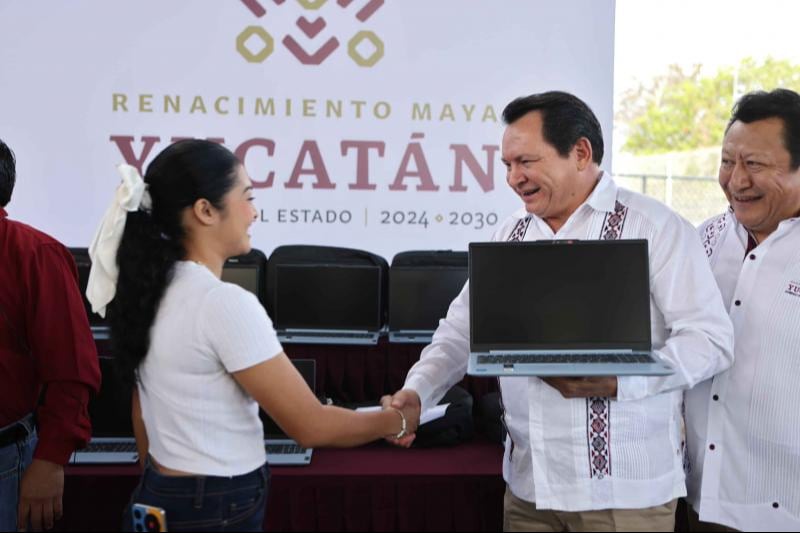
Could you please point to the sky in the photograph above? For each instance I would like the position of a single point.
(652, 34)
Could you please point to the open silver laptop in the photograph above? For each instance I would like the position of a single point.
(280, 448)
(577, 308)
(112, 432)
(328, 304)
(419, 296)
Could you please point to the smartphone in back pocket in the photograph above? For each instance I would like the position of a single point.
(148, 518)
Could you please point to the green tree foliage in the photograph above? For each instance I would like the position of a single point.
(689, 109)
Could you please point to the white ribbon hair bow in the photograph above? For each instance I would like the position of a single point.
(131, 196)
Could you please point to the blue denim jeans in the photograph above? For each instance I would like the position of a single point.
(14, 459)
(206, 503)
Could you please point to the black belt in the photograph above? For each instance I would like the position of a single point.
(16, 431)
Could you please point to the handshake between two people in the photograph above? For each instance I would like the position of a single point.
(408, 403)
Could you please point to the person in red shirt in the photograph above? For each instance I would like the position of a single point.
(48, 367)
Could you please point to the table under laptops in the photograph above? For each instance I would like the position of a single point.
(375, 487)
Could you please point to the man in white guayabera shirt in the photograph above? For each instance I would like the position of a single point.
(590, 453)
(744, 425)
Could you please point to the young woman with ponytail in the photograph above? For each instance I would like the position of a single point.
(202, 354)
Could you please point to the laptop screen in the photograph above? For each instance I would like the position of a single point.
(307, 369)
(420, 296)
(322, 297)
(110, 410)
(550, 295)
(244, 276)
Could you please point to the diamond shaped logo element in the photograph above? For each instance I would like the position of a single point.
(355, 44)
(257, 33)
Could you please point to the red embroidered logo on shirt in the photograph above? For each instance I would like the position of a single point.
(794, 288)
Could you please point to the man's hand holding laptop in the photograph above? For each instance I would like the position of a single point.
(584, 387)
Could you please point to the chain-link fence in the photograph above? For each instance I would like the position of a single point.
(695, 198)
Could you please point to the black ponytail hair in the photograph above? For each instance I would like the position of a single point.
(153, 241)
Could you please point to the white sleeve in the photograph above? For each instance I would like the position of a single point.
(443, 362)
(237, 328)
(700, 341)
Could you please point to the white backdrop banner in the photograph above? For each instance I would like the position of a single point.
(363, 123)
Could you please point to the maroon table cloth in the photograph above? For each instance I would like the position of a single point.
(373, 488)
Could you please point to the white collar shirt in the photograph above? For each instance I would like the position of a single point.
(743, 426)
(590, 454)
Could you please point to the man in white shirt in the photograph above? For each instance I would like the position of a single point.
(590, 453)
(743, 426)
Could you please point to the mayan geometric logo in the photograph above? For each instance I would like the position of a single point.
(255, 44)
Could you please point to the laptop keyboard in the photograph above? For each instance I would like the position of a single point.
(582, 358)
(118, 447)
(284, 449)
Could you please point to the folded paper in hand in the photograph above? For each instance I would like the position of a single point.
(434, 413)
